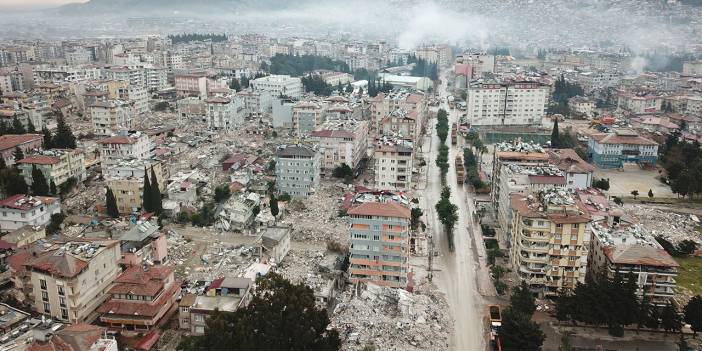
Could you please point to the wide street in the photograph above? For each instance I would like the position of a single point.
(458, 274)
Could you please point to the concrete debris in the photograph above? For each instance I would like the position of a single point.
(674, 227)
(318, 220)
(392, 319)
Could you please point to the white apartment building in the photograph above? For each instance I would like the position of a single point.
(393, 167)
(506, 104)
(138, 96)
(135, 76)
(70, 280)
(341, 142)
(20, 210)
(111, 116)
(78, 57)
(278, 85)
(224, 112)
(5, 83)
(156, 78)
(125, 146)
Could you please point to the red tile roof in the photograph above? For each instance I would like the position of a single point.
(118, 139)
(75, 337)
(11, 141)
(139, 307)
(387, 209)
(24, 203)
(136, 281)
(639, 255)
(64, 265)
(40, 160)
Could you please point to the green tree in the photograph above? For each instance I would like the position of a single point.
(280, 316)
(416, 213)
(64, 138)
(17, 126)
(111, 204)
(447, 213)
(522, 300)
(670, 319)
(634, 193)
(520, 333)
(344, 172)
(12, 182)
(274, 206)
(693, 314)
(52, 188)
(555, 137)
(30, 126)
(18, 154)
(222, 193)
(650, 193)
(3, 165)
(234, 84)
(39, 185)
(55, 223)
(156, 199)
(601, 183)
(147, 204)
(349, 88)
(48, 138)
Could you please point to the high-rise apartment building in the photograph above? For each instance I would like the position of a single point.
(520, 103)
(379, 236)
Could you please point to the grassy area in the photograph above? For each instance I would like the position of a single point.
(690, 274)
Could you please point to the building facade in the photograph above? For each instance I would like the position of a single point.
(393, 167)
(297, 170)
(21, 210)
(507, 104)
(125, 146)
(111, 116)
(344, 142)
(550, 241)
(621, 147)
(57, 165)
(379, 237)
(70, 280)
(278, 85)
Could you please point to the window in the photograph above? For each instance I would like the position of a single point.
(61, 292)
(62, 302)
(44, 296)
(199, 318)
(42, 284)
(47, 307)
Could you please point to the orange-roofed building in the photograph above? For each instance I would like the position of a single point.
(26, 143)
(379, 236)
(140, 298)
(57, 165)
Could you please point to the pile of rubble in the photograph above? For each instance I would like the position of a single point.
(300, 265)
(674, 227)
(316, 219)
(392, 319)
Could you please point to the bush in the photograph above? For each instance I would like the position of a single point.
(284, 198)
(500, 287)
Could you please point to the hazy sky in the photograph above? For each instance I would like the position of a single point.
(35, 3)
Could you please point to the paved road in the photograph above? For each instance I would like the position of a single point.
(457, 272)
